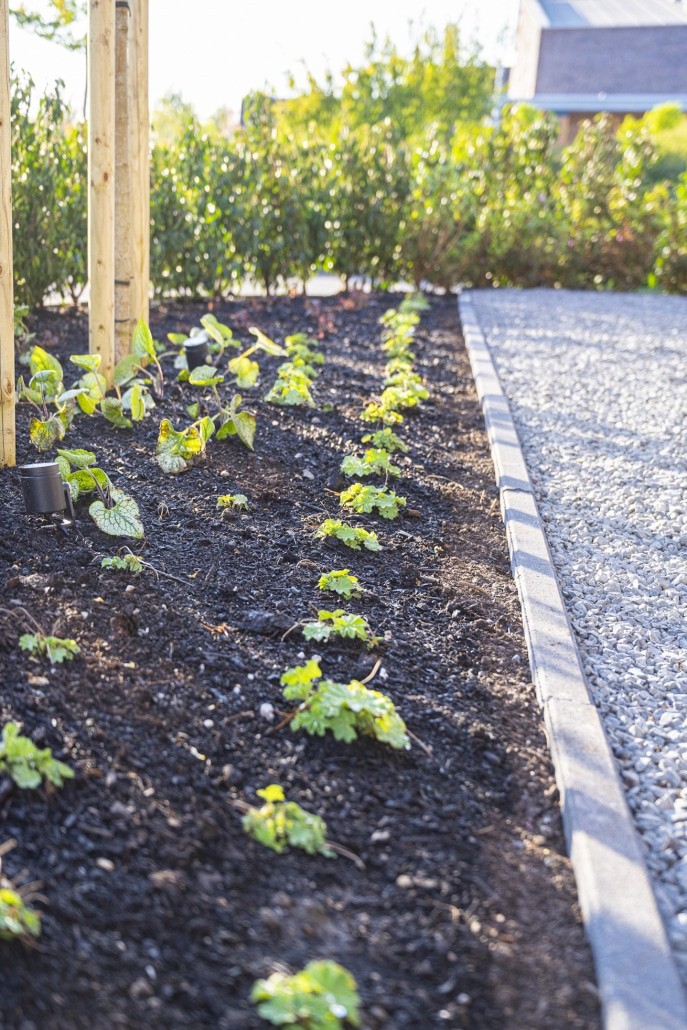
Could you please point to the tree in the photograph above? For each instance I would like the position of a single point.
(441, 84)
(57, 23)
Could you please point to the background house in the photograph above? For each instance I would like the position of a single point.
(580, 57)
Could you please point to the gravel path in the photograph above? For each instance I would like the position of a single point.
(598, 389)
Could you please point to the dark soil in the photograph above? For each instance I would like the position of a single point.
(160, 911)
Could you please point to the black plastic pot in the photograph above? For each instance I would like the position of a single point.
(197, 351)
(44, 490)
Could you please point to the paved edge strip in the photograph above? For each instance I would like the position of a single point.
(637, 977)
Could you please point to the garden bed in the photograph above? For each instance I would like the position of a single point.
(161, 911)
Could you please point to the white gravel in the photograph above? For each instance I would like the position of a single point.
(598, 390)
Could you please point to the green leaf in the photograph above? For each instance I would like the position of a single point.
(178, 339)
(78, 459)
(89, 362)
(264, 343)
(129, 563)
(43, 380)
(272, 793)
(121, 520)
(95, 384)
(113, 411)
(138, 408)
(351, 536)
(221, 334)
(177, 451)
(86, 479)
(142, 342)
(245, 370)
(40, 360)
(205, 375)
(341, 582)
(127, 368)
(87, 403)
(318, 631)
(44, 434)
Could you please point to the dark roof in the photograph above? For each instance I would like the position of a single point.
(568, 14)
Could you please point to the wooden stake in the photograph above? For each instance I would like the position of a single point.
(140, 162)
(7, 437)
(122, 268)
(101, 182)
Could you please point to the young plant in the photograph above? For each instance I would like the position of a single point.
(17, 920)
(279, 824)
(366, 499)
(114, 512)
(178, 450)
(292, 387)
(340, 582)
(322, 996)
(142, 361)
(407, 392)
(55, 649)
(233, 502)
(27, 764)
(220, 335)
(339, 624)
(233, 422)
(414, 303)
(244, 368)
(375, 462)
(302, 353)
(352, 536)
(139, 372)
(230, 420)
(377, 411)
(387, 440)
(45, 389)
(344, 709)
(127, 563)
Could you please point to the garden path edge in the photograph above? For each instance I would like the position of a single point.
(637, 977)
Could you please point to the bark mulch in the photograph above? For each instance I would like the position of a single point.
(161, 911)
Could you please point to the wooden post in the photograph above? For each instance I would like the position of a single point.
(140, 162)
(101, 182)
(122, 270)
(7, 438)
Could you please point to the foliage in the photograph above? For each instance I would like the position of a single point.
(55, 649)
(392, 174)
(671, 245)
(17, 920)
(126, 563)
(237, 423)
(387, 440)
(366, 499)
(49, 195)
(322, 996)
(234, 502)
(27, 764)
(340, 581)
(56, 24)
(279, 823)
(114, 512)
(375, 462)
(351, 536)
(339, 624)
(442, 82)
(292, 387)
(345, 709)
(178, 450)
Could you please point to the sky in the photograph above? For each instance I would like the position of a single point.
(224, 49)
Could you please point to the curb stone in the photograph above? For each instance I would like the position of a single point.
(638, 981)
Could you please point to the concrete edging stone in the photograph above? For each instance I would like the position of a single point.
(637, 977)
